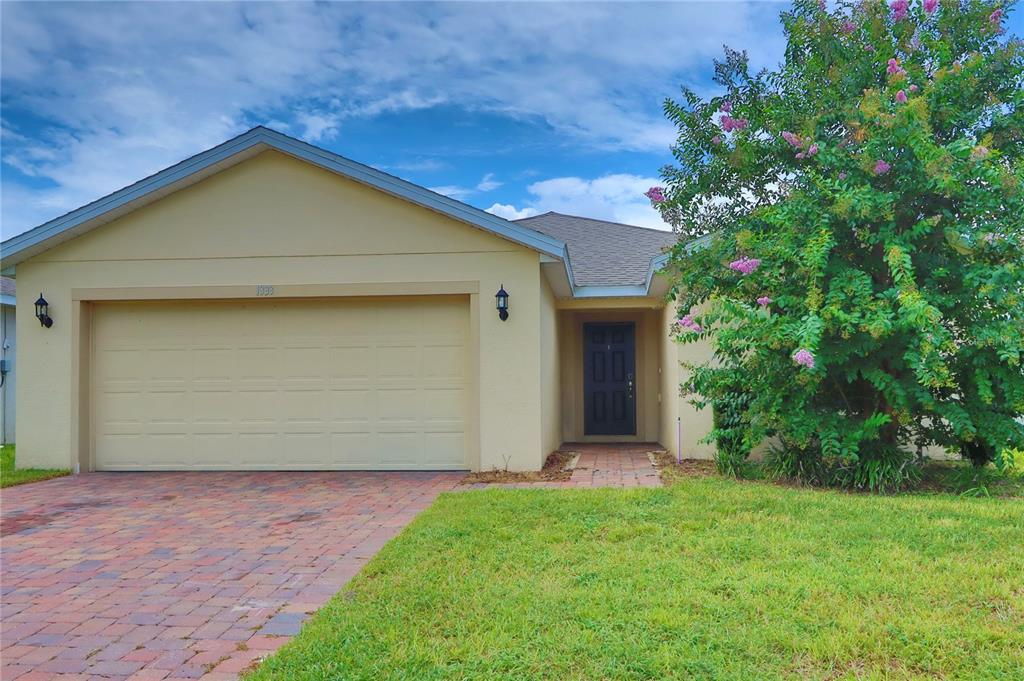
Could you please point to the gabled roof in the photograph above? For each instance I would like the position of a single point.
(588, 258)
(606, 254)
(234, 151)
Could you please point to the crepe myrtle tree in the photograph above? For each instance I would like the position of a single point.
(852, 242)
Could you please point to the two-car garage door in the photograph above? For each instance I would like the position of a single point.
(280, 384)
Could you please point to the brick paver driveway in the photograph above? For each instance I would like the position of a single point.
(181, 575)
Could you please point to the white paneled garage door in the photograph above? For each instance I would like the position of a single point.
(283, 384)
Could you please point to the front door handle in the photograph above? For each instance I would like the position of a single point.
(629, 385)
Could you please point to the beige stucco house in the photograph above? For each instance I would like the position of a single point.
(267, 304)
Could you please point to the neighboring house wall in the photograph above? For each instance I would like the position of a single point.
(550, 372)
(309, 233)
(7, 392)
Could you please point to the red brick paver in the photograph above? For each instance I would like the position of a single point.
(614, 465)
(599, 465)
(181, 575)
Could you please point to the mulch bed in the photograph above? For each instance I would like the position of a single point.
(670, 468)
(554, 470)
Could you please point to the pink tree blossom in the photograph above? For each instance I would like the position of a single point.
(804, 357)
(849, 26)
(881, 168)
(729, 123)
(996, 17)
(717, 139)
(894, 68)
(791, 138)
(726, 106)
(656, 194)
(901, 97)
(930, 6)
(812, 150)
(745, 265)
(913, 88)
(687, 322)
(764, 301)
(899, 9)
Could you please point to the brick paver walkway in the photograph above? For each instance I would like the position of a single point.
(181, 575)
(618, 465)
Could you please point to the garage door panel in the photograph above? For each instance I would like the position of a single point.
(399, 449)
(352, 384)
(357, 449)
(397, 406)
(444, 362)
(351, 406)
(401, 361)
(442, 404)
(303, 406)
(350, 364)
(438, 447)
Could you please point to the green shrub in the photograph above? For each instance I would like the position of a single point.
(732, 448)
(853, 242)
(883, 471)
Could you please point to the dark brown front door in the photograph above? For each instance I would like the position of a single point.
(609, 379)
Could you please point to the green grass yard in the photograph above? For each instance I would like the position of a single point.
(10, 476)
(706, 579)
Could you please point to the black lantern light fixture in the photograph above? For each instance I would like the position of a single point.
(43, 312)
(501, 302)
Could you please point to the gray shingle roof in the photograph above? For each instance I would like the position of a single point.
(604, 253)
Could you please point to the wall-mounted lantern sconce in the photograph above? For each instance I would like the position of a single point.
(43, 312)
(501, 302)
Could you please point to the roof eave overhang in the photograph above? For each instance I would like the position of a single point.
(651, 288)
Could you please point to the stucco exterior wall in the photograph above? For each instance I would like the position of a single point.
(683, 426)
(279, 222)
(669, 426)
(696, 423)
(550, 373)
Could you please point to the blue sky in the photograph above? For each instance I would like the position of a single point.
(517, 108)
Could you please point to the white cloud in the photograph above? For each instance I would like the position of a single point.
(616, 197)
(452, 191)
(488, 183)
(318, 127)
(108, 93)
(509, 212)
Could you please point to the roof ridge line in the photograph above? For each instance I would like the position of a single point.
(607, 222)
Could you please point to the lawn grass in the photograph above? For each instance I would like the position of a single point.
(10, 476)
(706, 579)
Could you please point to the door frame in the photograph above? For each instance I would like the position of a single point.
(632, 326)
(648, 323)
